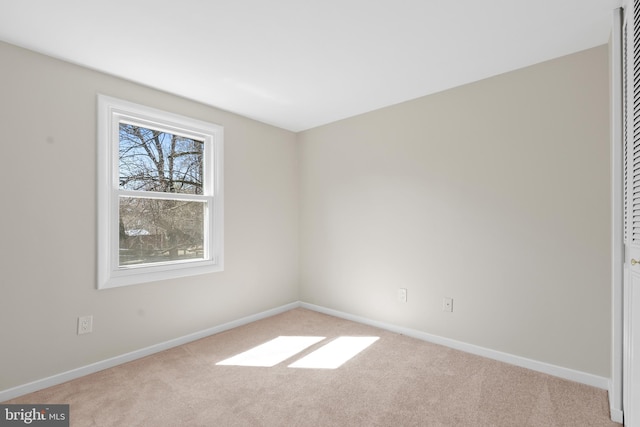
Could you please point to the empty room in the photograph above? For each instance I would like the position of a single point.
(322, 213)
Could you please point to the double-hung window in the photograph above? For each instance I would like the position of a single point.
(159, 194)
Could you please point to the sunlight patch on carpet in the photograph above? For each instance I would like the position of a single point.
(272, 352)
(334, 354)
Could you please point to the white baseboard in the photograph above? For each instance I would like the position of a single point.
(616, 415)
(557, 371)
(615, 404)
(546, 368)
(21, 390)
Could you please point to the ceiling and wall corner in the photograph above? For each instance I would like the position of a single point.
(298, 65)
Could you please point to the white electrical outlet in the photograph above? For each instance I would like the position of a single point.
(402, 295)
(447, 304)
(85, 324)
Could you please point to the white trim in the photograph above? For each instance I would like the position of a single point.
(617, 415)
(21, 390)
(557, 371)
(523, 362)
(617, 218)
(111, 112)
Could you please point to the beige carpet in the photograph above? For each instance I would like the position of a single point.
(397, 381)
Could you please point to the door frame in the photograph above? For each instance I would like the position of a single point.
(617, 218)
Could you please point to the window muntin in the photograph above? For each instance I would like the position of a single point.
(160, 197)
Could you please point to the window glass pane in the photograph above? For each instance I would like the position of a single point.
(151, 160)
(153, 230)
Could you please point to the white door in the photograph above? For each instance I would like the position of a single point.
(631, 275)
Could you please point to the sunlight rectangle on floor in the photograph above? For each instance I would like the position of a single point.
(335, 353)
(272, 352)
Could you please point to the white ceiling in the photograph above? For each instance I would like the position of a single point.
(298, 64)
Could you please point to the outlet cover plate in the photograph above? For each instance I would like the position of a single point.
(85, 325)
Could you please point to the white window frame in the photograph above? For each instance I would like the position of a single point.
(111, 111)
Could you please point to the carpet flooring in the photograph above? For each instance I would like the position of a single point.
(396, 381)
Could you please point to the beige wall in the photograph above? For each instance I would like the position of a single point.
(48, 225)
(495, 194)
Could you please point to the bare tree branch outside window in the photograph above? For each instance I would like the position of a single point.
(158, 229)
